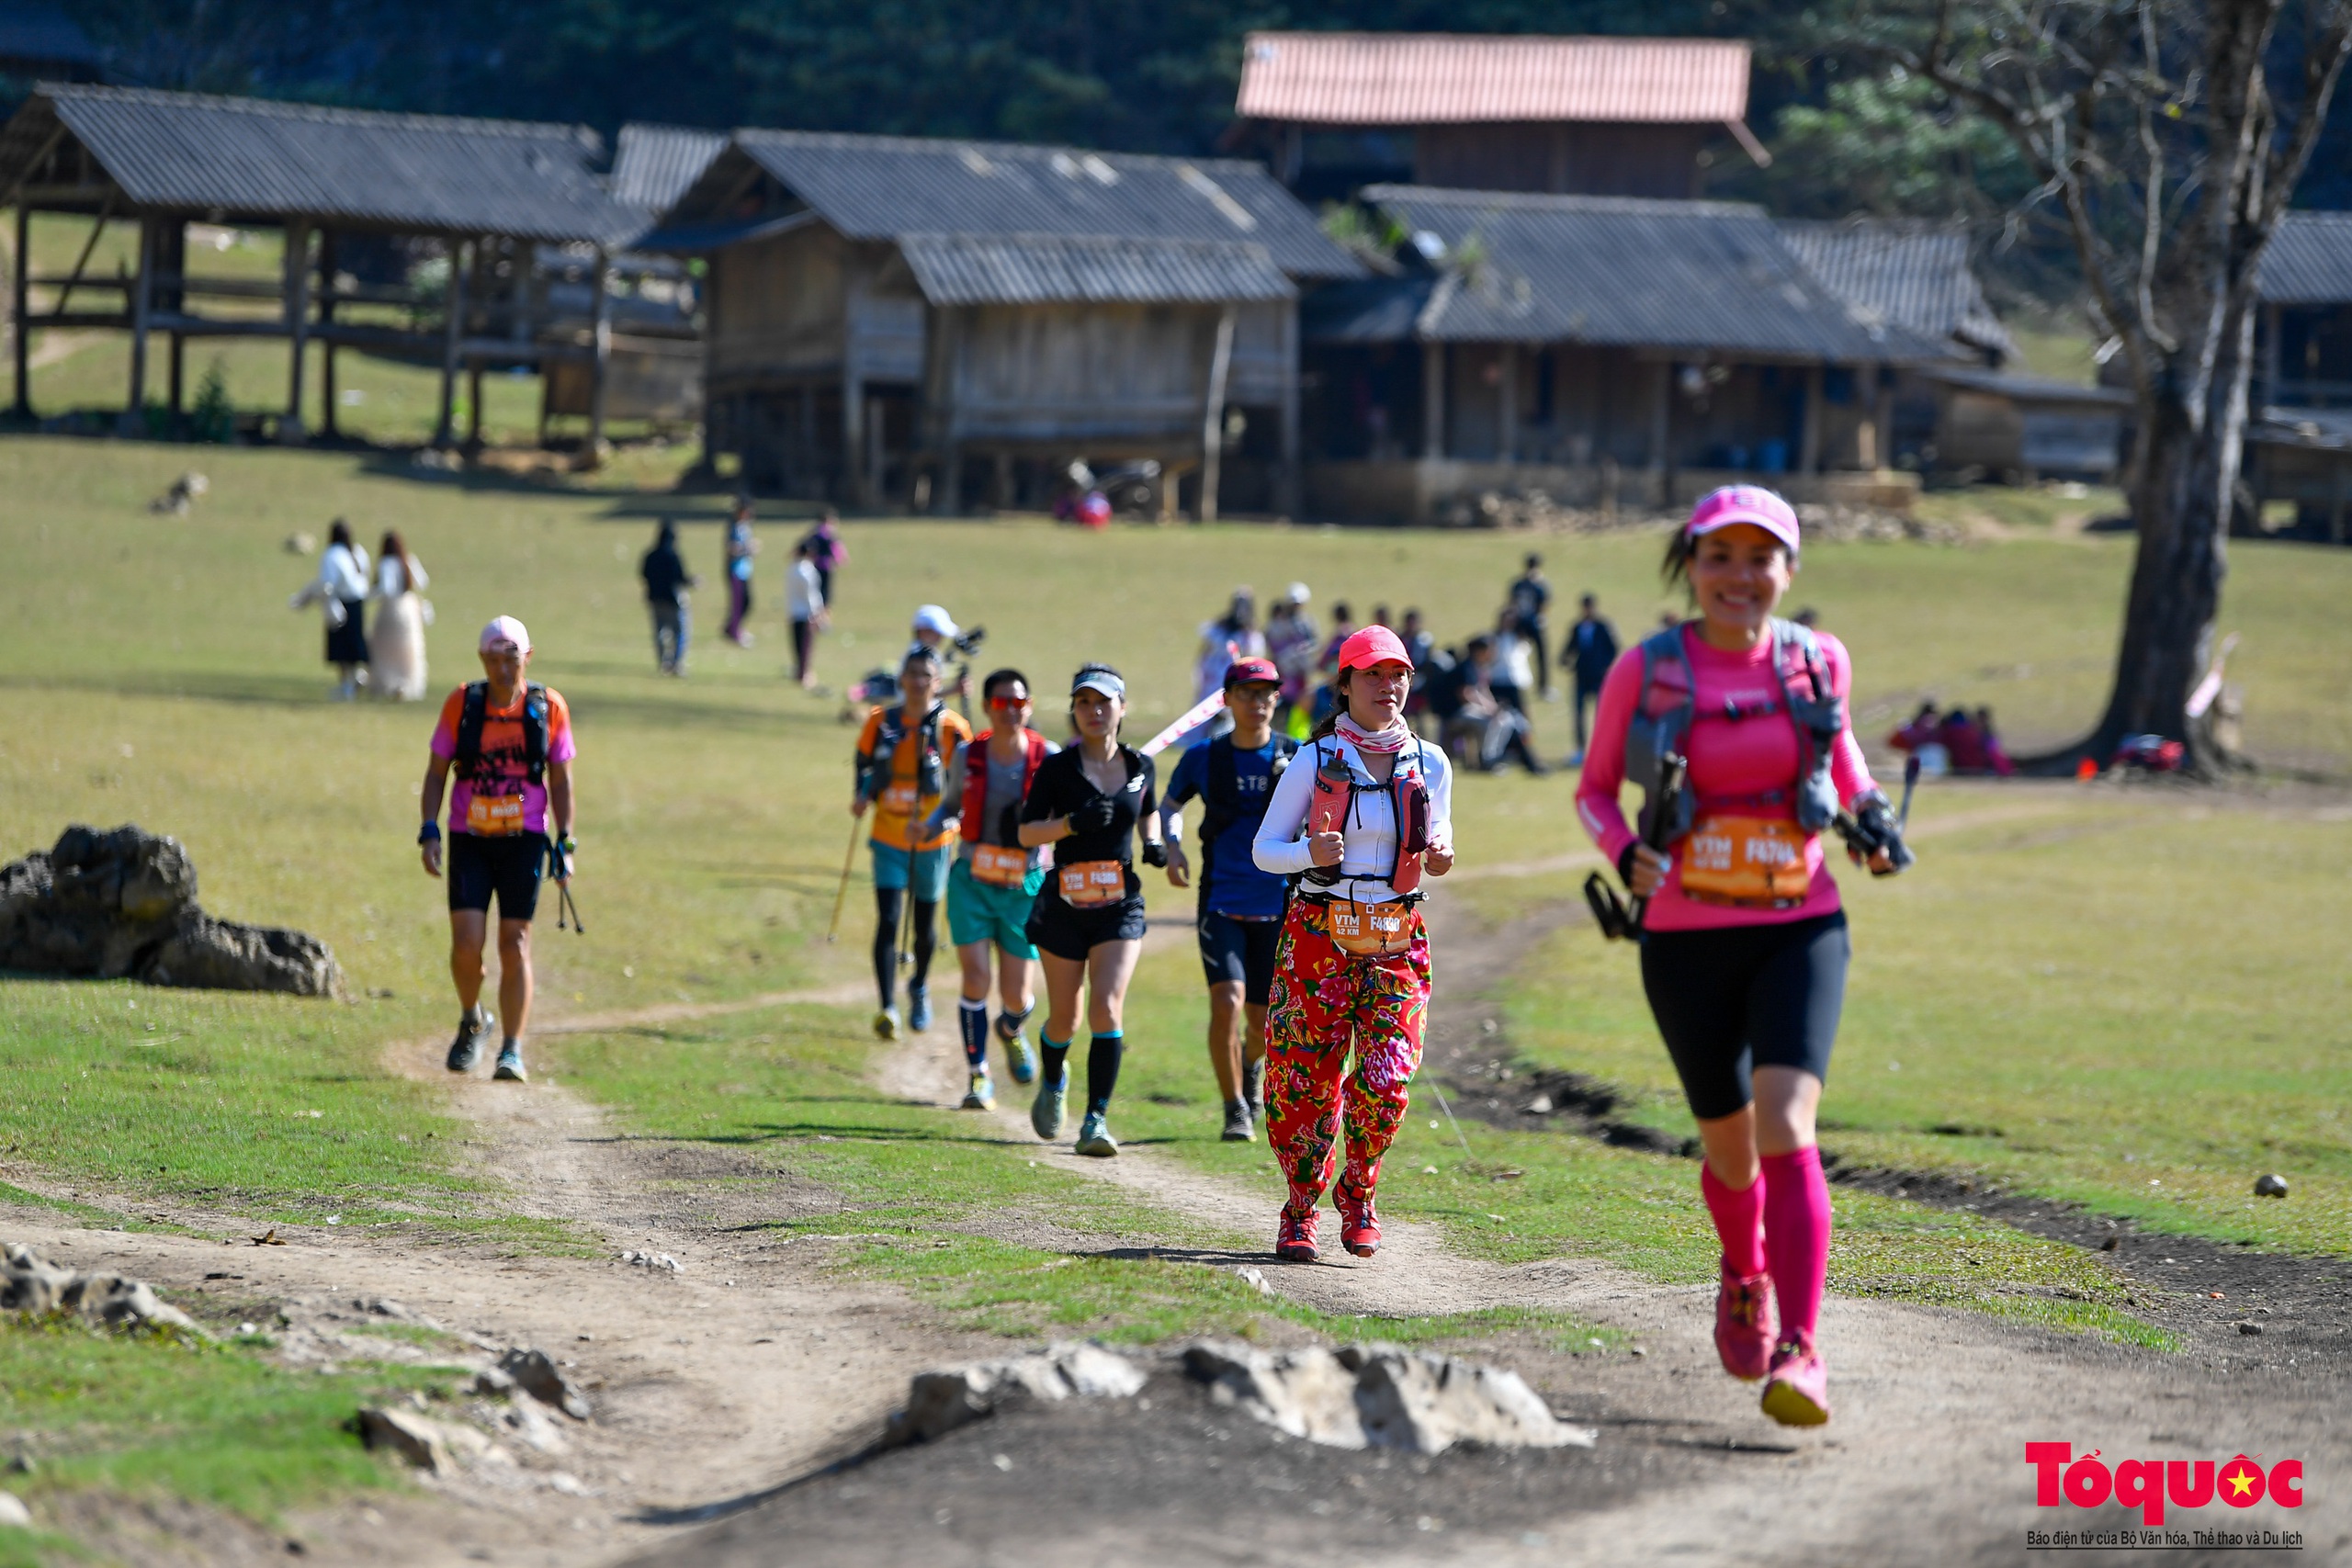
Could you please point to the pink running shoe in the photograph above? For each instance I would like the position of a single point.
(1358, 1226)
(1294, 1238)
(1797, 1391)
(1744, 1325)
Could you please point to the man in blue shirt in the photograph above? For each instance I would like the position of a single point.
(1241, 907)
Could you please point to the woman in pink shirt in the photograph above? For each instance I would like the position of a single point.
(1744, 948)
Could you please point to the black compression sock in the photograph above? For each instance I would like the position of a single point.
(926, 940)
(1007, 1024)
(1057, 1059)
(886, 944)
(1102, 1055)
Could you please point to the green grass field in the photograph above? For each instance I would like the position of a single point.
(2121, 997)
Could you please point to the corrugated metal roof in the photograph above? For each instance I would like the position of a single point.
(2308, 260)
(1912, 274)
(1452, 78)
(1037, 269)
(879, 188)
(1703, 278)
(249, 157)
(653, 166)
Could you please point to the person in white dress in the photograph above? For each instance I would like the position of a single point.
(396, 648)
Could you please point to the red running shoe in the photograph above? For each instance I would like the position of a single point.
(1797, 1391)
(1294, 1238)
(1744, 1325)
(1358, 1226)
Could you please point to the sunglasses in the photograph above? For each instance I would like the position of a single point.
(1008, 702)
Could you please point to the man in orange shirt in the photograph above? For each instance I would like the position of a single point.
(903, 757)
(510, 743)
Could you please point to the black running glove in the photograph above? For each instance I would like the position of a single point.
(1094, 815)
(1154, 851)
(1875, 830)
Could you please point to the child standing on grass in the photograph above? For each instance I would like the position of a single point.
(510, 743)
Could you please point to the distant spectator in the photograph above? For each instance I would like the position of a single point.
(1964, 743)
(1530, 596)
(395, 651)
(667, 581)
(1232, 636)
(1920, 731)
(1327, 664)
(1808, 617)
(1421, 649)
(1289, 643)
(1590, 648)
(1380, 617)
(1513, 678)
(804, 593)
(741, 547)
(827, 554)
(1490, 730)
(1995, 754)
(340, 593)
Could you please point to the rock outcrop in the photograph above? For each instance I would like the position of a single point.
(121, 905)
(29, 1283)
(1382, 1397)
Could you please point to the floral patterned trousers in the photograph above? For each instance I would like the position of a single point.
(1324, 1002)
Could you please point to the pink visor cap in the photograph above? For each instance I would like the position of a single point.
(1744, 503)
(506, 629)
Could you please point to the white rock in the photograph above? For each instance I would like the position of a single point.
(14, 1515)
(1427, 1403)
(420, 1442)
(1253, 1277)
(940, 1402)
(1305, 1393)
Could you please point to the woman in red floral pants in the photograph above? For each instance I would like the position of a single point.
(1358, 817)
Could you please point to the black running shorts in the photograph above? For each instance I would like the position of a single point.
(1738, 997)
(508, 866)
(1240, 951)
(1066, 933)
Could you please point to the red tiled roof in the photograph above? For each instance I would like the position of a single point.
(1449, 78)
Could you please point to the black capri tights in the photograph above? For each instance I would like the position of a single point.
(1738, 997)
(886, 908)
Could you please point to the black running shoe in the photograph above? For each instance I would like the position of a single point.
(466, 1049)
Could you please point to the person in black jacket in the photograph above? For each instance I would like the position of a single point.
(1589, 651)
(1089, 802)
(666, 582)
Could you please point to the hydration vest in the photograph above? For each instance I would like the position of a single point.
(1332, 806)
(875, 767)
(1221, 801)
(976, 777)
(1661, 724)
(535, 731)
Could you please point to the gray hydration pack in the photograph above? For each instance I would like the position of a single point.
(1662, 715)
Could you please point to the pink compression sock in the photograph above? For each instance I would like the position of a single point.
(1796, 1235)
(1739, 1220)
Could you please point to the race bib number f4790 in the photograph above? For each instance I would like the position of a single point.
(1745, 860)
(495, 816)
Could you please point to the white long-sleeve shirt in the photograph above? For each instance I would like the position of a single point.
(343, 572)
(1371, 830)
(389, 584)
(804, 588)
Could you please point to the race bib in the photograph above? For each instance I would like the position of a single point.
(1372, 931)
(495, 816)
(1000, 868)
(1751, 860)
(899, 799)
(1092, 882)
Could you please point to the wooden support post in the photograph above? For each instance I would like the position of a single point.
(297, 326)
(2269, 393)
(1213, 415)
(1882, 425)
(600, 388)
(1662, 436)
(1507, 406)
(853, 475)
(1816, 410)
(1288, 498)
(942, 419)
(178, 374)
(327, 392)
(2336, 498)
(142, 297)
(1001, 490)
(20, 317)
(453, 326)
(1432, 400)
(473, 405)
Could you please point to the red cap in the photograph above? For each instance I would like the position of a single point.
(1244, 670)
(1373, 645)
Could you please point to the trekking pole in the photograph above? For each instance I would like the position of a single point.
(1910, 783)
(563, 903)
(1436, 1089)
(833, 928)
